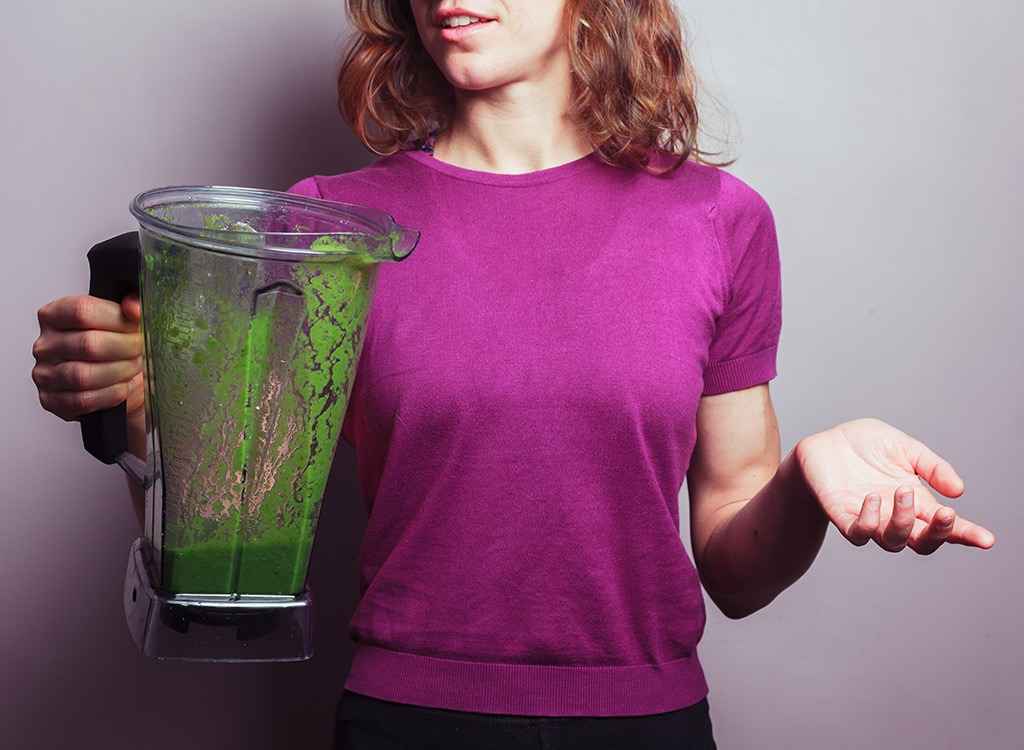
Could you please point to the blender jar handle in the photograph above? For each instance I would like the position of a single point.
(113, 274)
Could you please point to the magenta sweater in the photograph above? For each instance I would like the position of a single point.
(524, 415)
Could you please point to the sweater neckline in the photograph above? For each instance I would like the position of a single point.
(563, 171)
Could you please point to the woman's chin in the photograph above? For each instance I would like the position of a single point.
(473, 81)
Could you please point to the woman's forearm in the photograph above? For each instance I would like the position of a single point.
(767, 544)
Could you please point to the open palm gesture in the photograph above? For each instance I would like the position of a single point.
(868, 475)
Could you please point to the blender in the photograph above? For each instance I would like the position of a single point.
(253, 310)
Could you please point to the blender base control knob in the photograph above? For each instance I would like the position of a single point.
(208, 627)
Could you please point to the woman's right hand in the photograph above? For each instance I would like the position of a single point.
(89, 356)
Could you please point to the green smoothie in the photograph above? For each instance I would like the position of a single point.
(251, 365)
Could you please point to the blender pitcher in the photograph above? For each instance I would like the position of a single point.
(253, 307)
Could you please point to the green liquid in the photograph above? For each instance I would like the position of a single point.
(249, 389)
(250, 568)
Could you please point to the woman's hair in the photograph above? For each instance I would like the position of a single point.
(634, 87)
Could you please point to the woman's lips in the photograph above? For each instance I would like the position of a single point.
(457, 33)
(456, 25)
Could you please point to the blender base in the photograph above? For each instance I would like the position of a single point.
(210, 627)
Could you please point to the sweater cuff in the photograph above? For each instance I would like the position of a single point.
(741, 372)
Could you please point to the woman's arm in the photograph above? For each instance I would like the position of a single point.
(754, 529)
(757, 523)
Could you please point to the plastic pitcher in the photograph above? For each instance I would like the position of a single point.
(254, 304)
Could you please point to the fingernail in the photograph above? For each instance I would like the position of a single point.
(874, 502)
(131, 386)
(907, 499)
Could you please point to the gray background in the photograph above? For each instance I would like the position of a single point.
(886, 135)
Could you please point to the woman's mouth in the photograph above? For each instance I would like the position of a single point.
(455, 27)
(453, 22)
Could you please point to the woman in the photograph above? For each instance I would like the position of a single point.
(592, 315)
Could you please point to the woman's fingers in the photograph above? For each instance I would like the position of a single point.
(88, 355)
(865, 525)
(70, 405)
(77, 375)
(935, 533)
(84, 313)
(131, 308)
(936, 471)
(94, 345)
(896, 533)
(971, 534)
(87, 329)
(936, 525)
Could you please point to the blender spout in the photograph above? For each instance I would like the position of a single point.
(403, 241)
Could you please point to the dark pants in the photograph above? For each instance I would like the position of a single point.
(370, 724)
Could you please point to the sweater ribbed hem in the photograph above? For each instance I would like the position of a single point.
(526, 689)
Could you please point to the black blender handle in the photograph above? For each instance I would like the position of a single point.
(113, 275)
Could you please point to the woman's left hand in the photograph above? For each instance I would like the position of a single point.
(867, 477)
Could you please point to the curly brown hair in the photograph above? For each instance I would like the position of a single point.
(634, 86)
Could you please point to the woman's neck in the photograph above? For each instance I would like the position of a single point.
(517, 130)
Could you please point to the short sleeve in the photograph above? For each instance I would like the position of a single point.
(743, 351)
(306, 188)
